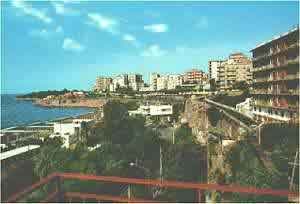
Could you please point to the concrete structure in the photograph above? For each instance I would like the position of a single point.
(195, 76)
(120, 81)
(213, 66)
(174, 81)
(235, 69)
(69, 131)
(162, 83)
(135, 81)
(153, 80)
(276, 78)
(245, 107)
(102, 84)
(153, 110)
(17, 151)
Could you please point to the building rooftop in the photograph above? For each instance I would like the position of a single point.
(18, 151)
(276, 37)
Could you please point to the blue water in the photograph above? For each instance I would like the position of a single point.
(19, 112)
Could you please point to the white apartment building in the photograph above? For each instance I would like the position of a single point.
(120, 81)
(70, 132)
(153, 80)
(162, 83)
(213, 66)
(174, 81)
(153, 110)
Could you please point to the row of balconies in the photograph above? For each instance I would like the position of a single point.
(277, 78)
(275, 92)
(276, 51)
(274, 66)
(268, 104)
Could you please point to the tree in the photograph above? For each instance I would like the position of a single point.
(50, 158)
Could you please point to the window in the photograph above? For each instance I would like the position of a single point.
(276, 112)
(259, 109)
(282, 114)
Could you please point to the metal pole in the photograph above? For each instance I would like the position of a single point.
(129, 191)
(293, 171)
(160, 163)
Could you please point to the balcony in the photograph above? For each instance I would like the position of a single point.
(277, 51)
(272, 66)
(277, 78)
(267, 104)
(290, 92)
(58, 193)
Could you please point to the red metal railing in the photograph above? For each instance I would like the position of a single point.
(59, 195)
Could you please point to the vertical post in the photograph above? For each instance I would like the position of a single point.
(129, 192)
(60, 193)
(293, 171)
(199, 196)
(160, 163)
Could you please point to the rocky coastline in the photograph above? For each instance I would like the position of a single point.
(71, 103)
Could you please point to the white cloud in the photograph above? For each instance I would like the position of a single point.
(103, 23)
(153, 51)
(131, 39)
(72, 45)
(202, 23)
(29, 10)
(156, 28)
(45, 33)
(62, 10)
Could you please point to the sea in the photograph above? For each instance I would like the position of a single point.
(23, 112)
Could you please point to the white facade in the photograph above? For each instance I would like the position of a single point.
(245, 107)
(153, 110)
(153, 80)
(120, 81)
(162, 83)
(70, 132)
(213, 69)
(174, 81)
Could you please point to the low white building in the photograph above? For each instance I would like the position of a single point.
(153, 110)
(70, 132)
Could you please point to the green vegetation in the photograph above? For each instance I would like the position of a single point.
(43, 94)
(230, 99)
(248, 170)
(124, 140)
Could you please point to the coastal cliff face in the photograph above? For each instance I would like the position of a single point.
(81, 102)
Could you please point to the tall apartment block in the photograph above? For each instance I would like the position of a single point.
(276, 78)
(195, 76)
(102, 83)
(236, 68)
(213, 66)
(153, 81)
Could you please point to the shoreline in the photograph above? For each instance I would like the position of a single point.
(47, 121)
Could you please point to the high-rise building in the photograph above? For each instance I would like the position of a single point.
(213, 67)
(235, 69)
(120, 81)
(174, 81)
(135, 81)
(162, 83)
(195, 76)
(102, 83)
(276, 78)
(153, 80)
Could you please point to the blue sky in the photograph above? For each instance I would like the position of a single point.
(64, 44)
